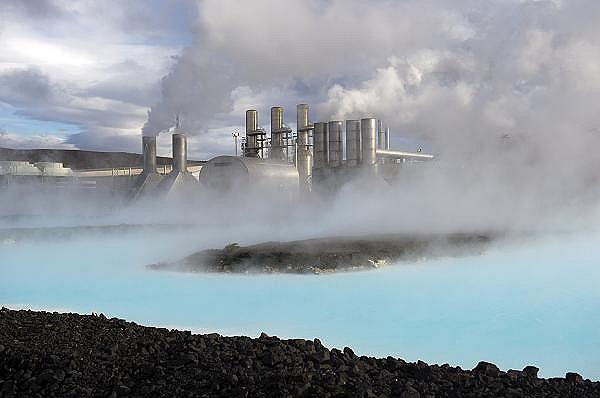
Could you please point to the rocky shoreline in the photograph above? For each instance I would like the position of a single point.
(46, 354)
(322, 255)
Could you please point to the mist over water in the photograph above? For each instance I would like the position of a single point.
(533, 301)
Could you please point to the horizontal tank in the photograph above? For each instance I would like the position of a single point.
(231, 173)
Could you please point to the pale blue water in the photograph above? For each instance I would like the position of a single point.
(515, 305)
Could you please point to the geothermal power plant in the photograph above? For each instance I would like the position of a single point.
(318, 157)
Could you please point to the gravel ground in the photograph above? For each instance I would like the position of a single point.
(69, 355)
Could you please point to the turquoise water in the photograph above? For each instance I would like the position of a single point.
(515, 305)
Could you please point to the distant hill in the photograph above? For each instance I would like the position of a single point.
(78, 160)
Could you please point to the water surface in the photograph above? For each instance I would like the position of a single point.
(536, 303)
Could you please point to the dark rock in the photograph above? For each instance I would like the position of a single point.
(91, 356)
(486, 368)
(531, 371)
(573, 377)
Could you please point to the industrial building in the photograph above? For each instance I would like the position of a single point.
(318, 157)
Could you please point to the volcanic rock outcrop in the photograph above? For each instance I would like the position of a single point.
(68, 355)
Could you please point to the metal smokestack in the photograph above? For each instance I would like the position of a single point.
(149, 151)
(277, 148)
(335, 143)
(380, 136)
(353, 154)
(303, 157)
(179, 152)
(251, 129)
(368, 137)
(387, 138)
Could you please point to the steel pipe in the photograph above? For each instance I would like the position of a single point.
(384, 153)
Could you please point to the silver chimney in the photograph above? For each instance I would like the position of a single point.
(335, 143)
(251, 149)
(303, 156)
(380, 136)
(368, 137)
(277, 134)
(387, 138)
(179, 152)
(149, 151)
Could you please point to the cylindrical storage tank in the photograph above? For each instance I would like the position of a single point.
(353, 154)
(368, 138)
(320, 145)
(251, 128)
(335, 143)
(387, 138)
(277, 149)
(179, 152)
(149, 151)
(238, 174)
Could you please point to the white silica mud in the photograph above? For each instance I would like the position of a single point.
(515, 304)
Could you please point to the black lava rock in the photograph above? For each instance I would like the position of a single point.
(68, 355)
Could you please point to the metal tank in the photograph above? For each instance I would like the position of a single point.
(353, 153)
(368, 137)
(335, 143)
(251, 149)
(303, 155)
(239, 174)
(320, 145)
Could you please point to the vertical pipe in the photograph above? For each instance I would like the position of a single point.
(251, 128)
(179, 152)
(387, 138)
(368, 137)
(303, 157)
(277, 149)
(335, 143)
(353, 142)
(380, 135)
(149, 151)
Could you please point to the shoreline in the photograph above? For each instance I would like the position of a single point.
(65, 354)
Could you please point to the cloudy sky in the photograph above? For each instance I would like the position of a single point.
(451, 75)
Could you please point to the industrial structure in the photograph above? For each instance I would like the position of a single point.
(318, 157)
